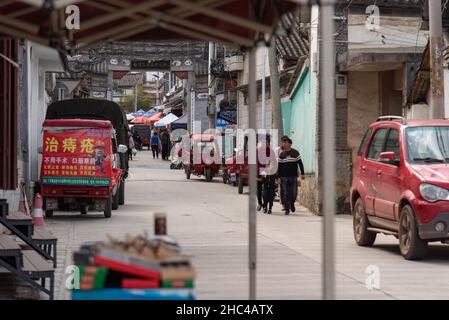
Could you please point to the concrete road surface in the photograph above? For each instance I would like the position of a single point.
(210, 222)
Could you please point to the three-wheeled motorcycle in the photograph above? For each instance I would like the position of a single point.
(84, 156)
(201, 156)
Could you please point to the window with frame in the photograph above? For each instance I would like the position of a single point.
(377, 144)
(364, 141)
(392, 144)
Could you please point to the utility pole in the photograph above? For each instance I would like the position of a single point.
(436, 60)
(276, 113)
(211, 91)
(264, 108)
(135, 97)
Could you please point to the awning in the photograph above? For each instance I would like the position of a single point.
(230, 22)
(129, 116)
(141, 120)
(180, 123)
(156, 117)
(166, 120)
(149, 114)
(139, 113)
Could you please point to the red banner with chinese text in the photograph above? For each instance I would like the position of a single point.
(81, 157)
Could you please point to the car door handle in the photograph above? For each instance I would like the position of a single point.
(363, 168)
(379, 173)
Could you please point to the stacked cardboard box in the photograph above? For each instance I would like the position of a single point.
(120, 268)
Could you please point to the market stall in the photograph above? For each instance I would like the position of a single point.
(168, 119)
(180, 123)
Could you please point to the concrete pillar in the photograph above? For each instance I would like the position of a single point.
(436, 60)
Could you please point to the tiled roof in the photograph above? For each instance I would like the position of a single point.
(296, 43)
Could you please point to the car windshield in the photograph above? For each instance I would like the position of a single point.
(428, 144)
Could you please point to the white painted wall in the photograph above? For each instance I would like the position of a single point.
(40, 60)
(400, 34)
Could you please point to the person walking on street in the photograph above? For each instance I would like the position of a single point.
(155, 143)
(289, 162)
(269, 187)
(137, 141)
(131, 146)
(260, 167)
(278, 183)
(165, 139)
(265, 160)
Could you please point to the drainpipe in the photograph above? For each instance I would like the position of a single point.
(436, 60)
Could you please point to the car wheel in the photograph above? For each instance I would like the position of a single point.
(48, 213)
(240, 184)
(208, 174)
(411, 245)
(121, 194)
(108, 209)
(362, 236)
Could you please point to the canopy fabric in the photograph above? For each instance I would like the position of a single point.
(229, 22)
(141, 120)
(129, 116)
(149, 114)
(138, 113)
(166, 120)
(156, 117)
(180, 123)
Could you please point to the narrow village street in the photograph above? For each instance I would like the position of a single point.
(338, 107)
(210, 221)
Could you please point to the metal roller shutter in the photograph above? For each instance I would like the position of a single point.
(8, 115)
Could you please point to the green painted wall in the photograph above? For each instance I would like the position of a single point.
(299, 116)
(286, 114)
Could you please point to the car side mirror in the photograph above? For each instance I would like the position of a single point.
(388, 157)
(122, 148)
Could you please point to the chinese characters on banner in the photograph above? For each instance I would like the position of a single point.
(77, 157)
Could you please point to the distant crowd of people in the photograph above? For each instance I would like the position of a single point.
(159, 143)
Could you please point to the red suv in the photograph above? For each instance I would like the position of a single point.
(400, 184)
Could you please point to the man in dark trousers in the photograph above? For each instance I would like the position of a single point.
(289, 163)
(165, 140)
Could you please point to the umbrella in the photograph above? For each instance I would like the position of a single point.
(156, 117)
(139, 113)
(141, 120)
(166, 120)
(129, 116)
(149, 114)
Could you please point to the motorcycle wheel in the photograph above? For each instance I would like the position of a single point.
(121, 194)
(108, 209)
